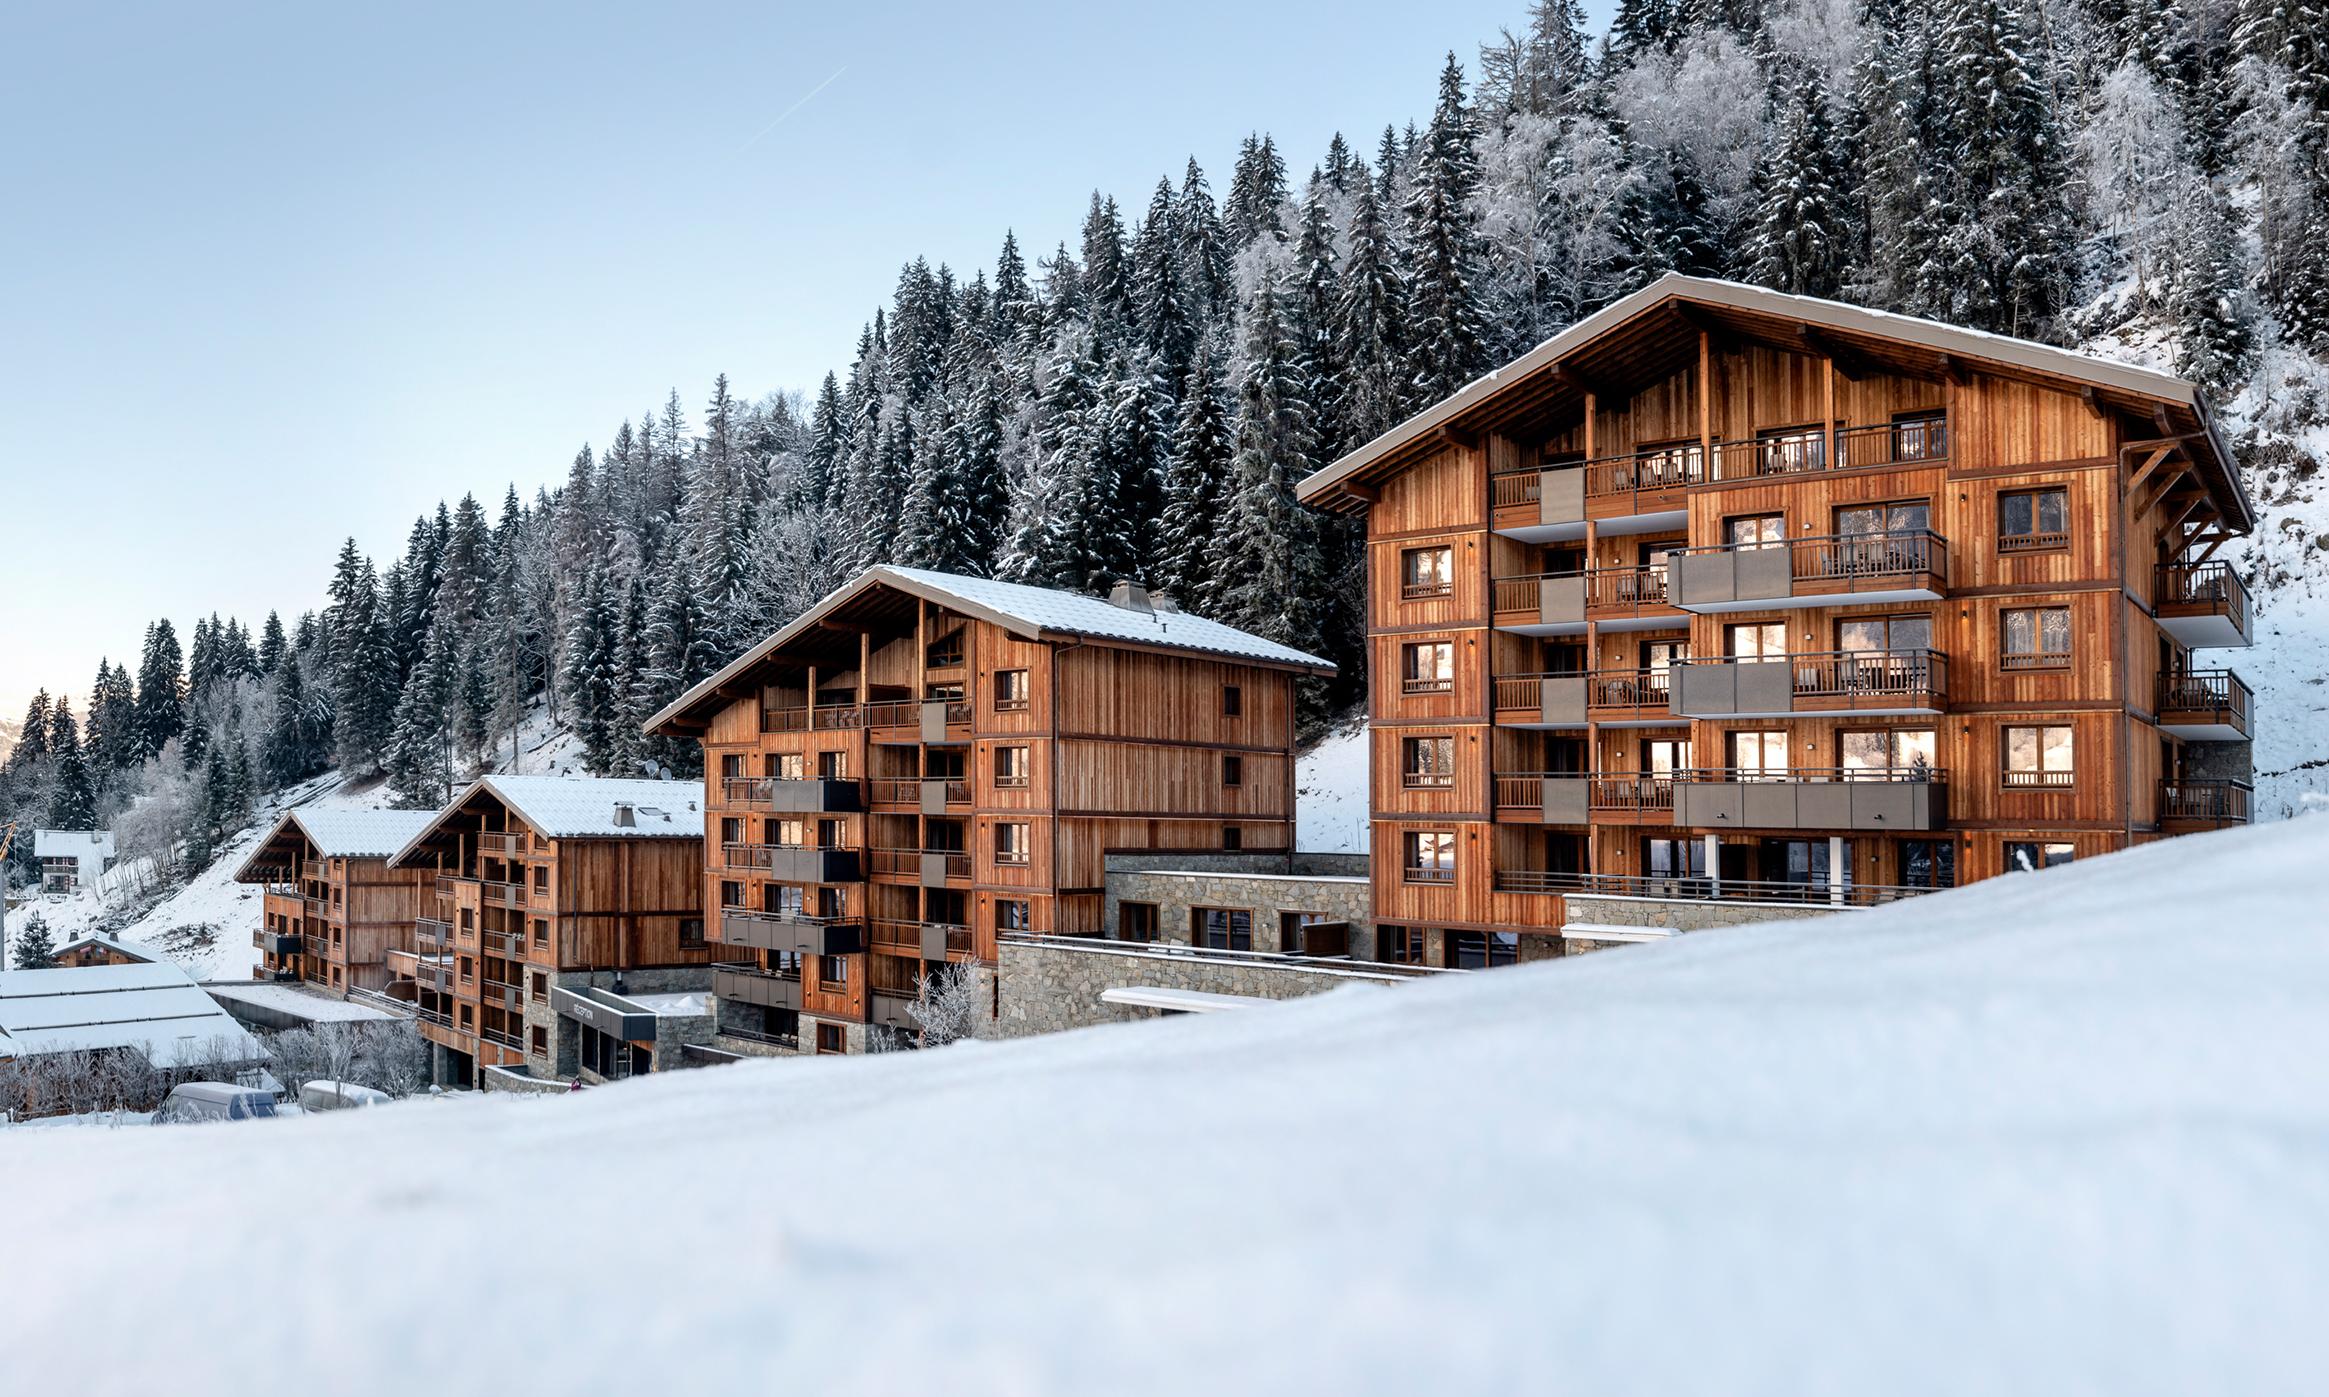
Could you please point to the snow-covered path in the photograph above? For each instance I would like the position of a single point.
(2067, 1132)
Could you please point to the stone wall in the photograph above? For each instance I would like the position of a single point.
(1053, 984)
(1673, 914)
(2220, 761)
(1334, 886)
(564, 1059)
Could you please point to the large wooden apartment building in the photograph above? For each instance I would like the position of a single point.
(924, 763)
(1726, 593)
(543, 889)
(333, 913)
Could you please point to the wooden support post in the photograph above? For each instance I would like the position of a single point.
(1714, 865)
(1705, 406)
(1828, 412)
(1836, 870)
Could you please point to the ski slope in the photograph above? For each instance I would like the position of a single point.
(2063, 1132)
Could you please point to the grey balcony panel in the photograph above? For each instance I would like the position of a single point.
(894, 1011)
(933, 870)
(1561, 495)
(1764, 574)
(933, 940)
(1697, 579)
(767, 991)
(1561, 600)
(934, 720)
(1567, 799)
(814, 797)
(1563, 698)
(933, 797)
(1769, 805)
(1710, 804)
(1898, 806)
(1824, 805)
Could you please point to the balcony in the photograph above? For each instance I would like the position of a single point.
(1542, 700)
(435, 974)
(1541, 604)
(794, 933)
(2204, 705)
(895, 1009)
(823, 717)
(509, 945)
(315, 909)
(1544, 797)
(1920, 441)
(1871, 683)
(431, 934)
(449, 884)
(929, 794)
(504, 894)
(1678, 889)
(1904, 799)
(501, 845)
(818, 796)
(2203, 605)
(1630, 599)
(749, 984)
(2189, 806)
(501, 994)
(921, 940)
(930, 718)
(794, 863)
(929, 867)
(275, 943)
(1827, 570)
(1630, 698)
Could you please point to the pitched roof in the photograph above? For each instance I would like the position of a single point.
(1036, 613)
(72, 843)
(580, 807)
(1978, 349)
(136, 949)
(334, 832)
(155, 1007)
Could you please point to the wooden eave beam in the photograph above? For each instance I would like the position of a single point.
(1453, 435)
(1363, 493)
(2160, 420)
(1848, 361)
(2094, 403)
(1954, 371)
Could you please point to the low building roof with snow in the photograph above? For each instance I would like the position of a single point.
(1033, 613)
(155, 1008)
(329, 833)
(82, 844)
(566, 807)
(109, 945)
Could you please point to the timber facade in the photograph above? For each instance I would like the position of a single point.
(333, 914)
(1724, 594)
(540, 890)
(923, 763)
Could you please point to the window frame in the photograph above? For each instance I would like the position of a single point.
(1412, 681)
(1013, 692)
(2040, 777)
(1014, 851)
(1232, 770)
(2034, 539)
(1201, 933)
(2042, 860)
(1232, 701)
(1133, 917)
(1441, 871)
(1413, 777)
(1426, 589)
(2038, 659)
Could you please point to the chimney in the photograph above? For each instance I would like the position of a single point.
(1163, 601)
(1130, 595)
(625, 816)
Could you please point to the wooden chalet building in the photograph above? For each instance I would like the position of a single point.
(1723, 593)
(923, 763)
(333, 913)
(542, 890)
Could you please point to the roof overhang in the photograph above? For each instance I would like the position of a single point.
(1615, 351)
(854, 608)
(283, 845)
(444, 827)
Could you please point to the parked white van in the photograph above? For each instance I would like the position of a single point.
(214, 1101)
(324, 1094)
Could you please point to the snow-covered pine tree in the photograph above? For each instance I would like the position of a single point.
(1162, 302)
(72, 793)
(1107, 280)
(161, 690)
(2207, 295)
(1370, 325)
(1205, 250)
(1311, 318)
(364, 689)
(420, 751)
(1257, 193)
(592, 685)
(1802, 235)
(1269, 576)
(1447, 337)
(1196, 480)
(112, 737)
(35, 947)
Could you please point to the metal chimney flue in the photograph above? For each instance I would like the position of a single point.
(1131, 596)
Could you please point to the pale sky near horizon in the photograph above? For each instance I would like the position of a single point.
(275, 274)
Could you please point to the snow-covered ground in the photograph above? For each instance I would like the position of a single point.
(2063, 1132)
(1330, 794)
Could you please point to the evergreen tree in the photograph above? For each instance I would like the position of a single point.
(271, 644)
(112, 737)
(2207, 296)
(72, 794)
(1196, 481)
(1370, 326)
(1448, 338)
(1802, 235)
(593, 686)
(161, 690)
(35, 948)
(1257, 190)
(364, 688)
(1269, 576)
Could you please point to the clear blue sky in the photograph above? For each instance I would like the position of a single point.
(271, 275)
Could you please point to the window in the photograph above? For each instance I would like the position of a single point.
(1928, 863)
(731, 894)
(468, 1018)
(1478, 950)
(1010, 690)
(731, 830)
(540, 986)
(1430, 856)
(2037, 638)
(833, 970)
(1673, 858)
(1232, 769)
(1011, 767)
(1426, 572)
(2028, 856)
(1885, 633)
(1232, 838)
(732, 765)
(1755, 640)
(1313, 934)
(2030, 519)
(1221, 928)
(1428, 667)
(1011, 843)
(833, 766)
(1136, 921)
(541, 928)
(787, 834)
(1782, 450)
(788, 766)
(540, 1037)
(1888, 754)
(829, 1038)
(1755, 531)
(1011, 914)
(1881, 538)
(1758, 755)
(946, 651)
(829, 834)
(1399, 945)
(1920, 436)
(1663, 756)
(541, 877)
(2039, 756)
(1908, 516)
(1232, 701)
(691, 933)
(1427, 763)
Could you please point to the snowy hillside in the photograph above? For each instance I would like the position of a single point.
(1330, 793)
(2060, 1132)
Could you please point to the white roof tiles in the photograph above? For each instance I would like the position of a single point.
(588, 807)
(1073, 613)
(360, 834)
(72, 843)
(155, 1008)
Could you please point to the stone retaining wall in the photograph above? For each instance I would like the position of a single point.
(1334, 886)
(1053, 985)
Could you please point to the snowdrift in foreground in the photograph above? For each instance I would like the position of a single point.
(2061, 1132)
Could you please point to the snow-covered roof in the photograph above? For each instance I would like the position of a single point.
(111, 943)
(335, 832)
(1036, 613)
(154, 1007)
(1174, 1001)
(72, 843)
(1979, 348)
(580, 807)
(312, 1005)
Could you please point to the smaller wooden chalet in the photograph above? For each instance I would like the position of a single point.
(334, 912)
(71, 859)
(97, 948)
(543, 889)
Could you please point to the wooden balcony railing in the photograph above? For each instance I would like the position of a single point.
(917, 939)
(510, 945)
(2211, 588)
(501, 845)
(1702, 889)
(2014, 780)
(1633, 689)
(907, 863)
(2217, 695)
(1625, 589)
(1853, 674)
(431, 933)
(504, 894)
(1638, 791)
(1852, 560)
(2206, 802)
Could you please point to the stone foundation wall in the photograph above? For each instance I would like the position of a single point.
(1051, 986)
(1178, 888)
(1682, 915)
(2220, 761)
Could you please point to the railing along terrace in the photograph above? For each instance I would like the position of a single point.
(1524, 593)
(1649, 790)
(1911, 774)
(1607, 588)
(1851, 557)
(2207, 691)
(501, 845)
(1853, 673)
(2220, 802)
(1703, 889)
(1629, 688)
(2209, 586)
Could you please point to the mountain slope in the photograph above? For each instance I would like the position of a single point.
(2056, 1132)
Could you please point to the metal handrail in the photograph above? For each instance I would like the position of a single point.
(2205, 691)
(2210, 585)
(1701, 889)
(1829, 557)
(1814, 775)
(1851, 673)
(2227, 802)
